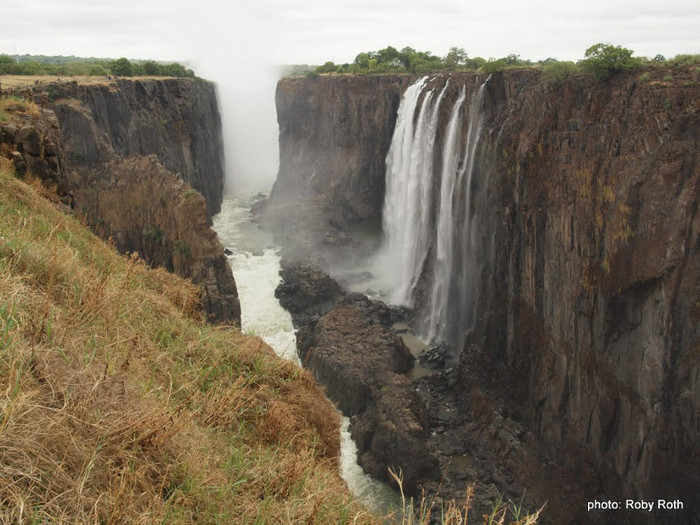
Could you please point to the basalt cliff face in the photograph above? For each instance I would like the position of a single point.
(584, 213)
(334, 134)
(128, 155)
(178, 121)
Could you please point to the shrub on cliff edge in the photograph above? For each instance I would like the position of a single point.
(121, 67)
(602, 60)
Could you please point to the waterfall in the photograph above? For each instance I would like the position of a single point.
(428, 215)
(409, 186)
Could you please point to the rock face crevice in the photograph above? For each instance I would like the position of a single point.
(588, 269)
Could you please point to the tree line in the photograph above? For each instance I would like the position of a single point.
(601, 60)
(76, 66)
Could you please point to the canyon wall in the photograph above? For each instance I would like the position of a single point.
(585, 213)
(176, 120)
(334, 134)
(142, 162)
(588, 301)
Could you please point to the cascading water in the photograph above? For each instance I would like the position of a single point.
(428, 234)
(408, 181)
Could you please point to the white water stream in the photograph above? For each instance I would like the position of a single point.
(428, 216)
(256, 264)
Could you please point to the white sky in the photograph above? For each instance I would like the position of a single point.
(313, 31)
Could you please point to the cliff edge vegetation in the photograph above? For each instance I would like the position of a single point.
(600, 60)
(119, 404)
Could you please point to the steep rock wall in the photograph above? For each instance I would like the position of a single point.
(588, 271)
(588, 298)
(176, 120)
(334, 135)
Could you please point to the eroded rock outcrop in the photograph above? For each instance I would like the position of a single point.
(143, 161)
(145, 208)
(32, 141)
(363, 366)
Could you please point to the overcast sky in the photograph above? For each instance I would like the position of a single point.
(313, 31)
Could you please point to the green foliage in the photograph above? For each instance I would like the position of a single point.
(151, 67)
(600, 60)
(153, 235)
(685, 60)
(181, 248)
(77, 66)
(493, 65)
(6, 64)
(559, 70)
(455, 57)
(328, 67)
(603, 60)
(121, 67)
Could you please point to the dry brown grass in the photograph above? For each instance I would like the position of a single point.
(118, 405)
(20, 81)
(10, 105)
(426, 511)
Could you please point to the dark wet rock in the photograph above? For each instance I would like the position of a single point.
(306, 289)
(355, 354)
(227, 252)
(29, 141)
(392, 433)
(348, 279)
(399, 314)
(438, 356)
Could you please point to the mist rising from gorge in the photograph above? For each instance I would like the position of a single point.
(231, 50)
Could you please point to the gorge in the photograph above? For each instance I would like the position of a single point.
(562, 260)
(541, 235)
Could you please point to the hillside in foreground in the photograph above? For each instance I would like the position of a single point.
(119, 405)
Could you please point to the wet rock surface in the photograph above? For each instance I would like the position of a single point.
(346, 341)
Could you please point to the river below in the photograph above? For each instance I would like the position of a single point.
(255, 262)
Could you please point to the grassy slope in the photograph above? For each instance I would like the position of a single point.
(118, 405)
